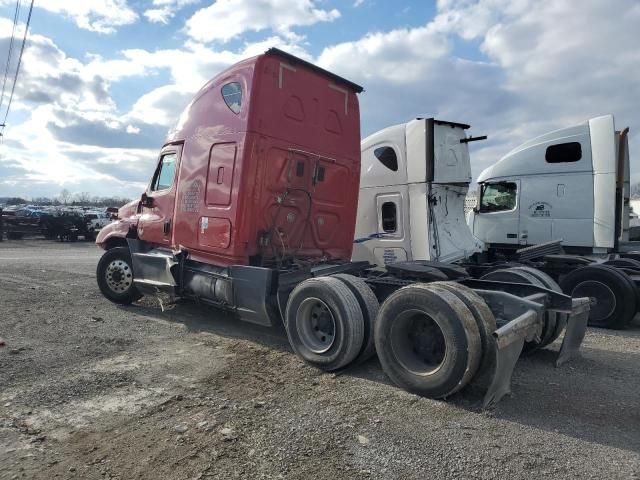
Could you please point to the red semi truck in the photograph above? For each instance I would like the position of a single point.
(252, 208)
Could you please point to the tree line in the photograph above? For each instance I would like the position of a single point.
(65, 198)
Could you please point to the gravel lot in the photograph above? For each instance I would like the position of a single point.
(91, 390)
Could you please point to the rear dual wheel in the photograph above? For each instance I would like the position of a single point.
(613, 292)
(554, 322)
(428, 340)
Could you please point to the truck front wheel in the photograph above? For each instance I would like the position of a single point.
(115, 276)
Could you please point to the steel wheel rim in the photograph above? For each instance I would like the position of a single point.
(119, 276)
(605, 298)
(316, 325)
(418, 342)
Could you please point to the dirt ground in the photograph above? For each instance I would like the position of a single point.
(91, 390)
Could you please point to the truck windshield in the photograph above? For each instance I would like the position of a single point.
(498, 197)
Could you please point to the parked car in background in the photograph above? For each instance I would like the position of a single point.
(95, 221)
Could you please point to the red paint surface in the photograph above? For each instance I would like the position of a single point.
(235, 168)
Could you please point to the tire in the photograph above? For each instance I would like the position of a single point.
(551, 284)
(516, 275)
(324, 323)
(427, 340)
(623, 263)
(369, 306)
(613, 290)
(115, 276)
(484, 319)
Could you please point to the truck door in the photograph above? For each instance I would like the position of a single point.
(498, 217)
(158, 202)
(391, 240)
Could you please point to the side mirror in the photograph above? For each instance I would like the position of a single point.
(146, 201)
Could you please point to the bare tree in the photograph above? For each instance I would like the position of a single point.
(65, 196)
(83, 198)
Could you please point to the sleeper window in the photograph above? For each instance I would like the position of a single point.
(387, 157)
(564, 153)
(166, 172)
(498, 197)
(232, 95)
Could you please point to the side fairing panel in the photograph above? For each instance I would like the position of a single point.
(451, 158)
(435, 154)
(421, 244)
(603, 150)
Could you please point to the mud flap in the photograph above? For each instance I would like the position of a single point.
(575, 330)
(509, 340)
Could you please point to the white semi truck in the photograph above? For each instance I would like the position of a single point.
(414, 180)
(569, 187)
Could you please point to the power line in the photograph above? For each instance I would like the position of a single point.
(15, 79)
(13, 35)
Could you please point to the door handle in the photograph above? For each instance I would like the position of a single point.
(166, 227)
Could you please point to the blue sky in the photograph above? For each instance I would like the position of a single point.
(102, 80)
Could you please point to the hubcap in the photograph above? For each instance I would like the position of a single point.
(316, 325)
(602, 294)
(418, 342)
(119, 276)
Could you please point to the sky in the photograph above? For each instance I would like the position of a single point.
(102, 81)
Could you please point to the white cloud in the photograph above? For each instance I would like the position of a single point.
(165, 10)
(562, 64)
(101, 16)
(227, 19)
(76, 137)
(542, 65)
(531, 73)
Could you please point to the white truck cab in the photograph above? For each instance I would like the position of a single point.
(559, 186)
(418, 171)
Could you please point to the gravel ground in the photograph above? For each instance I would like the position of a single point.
(91, 390)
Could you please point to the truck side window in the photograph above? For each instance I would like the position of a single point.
(498, 197)
(389, 217)
(166, 171)
(387, 157)
(232, 95)
(563, 153)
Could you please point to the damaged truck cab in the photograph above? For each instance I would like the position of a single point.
(252, 208)
(262, 165)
